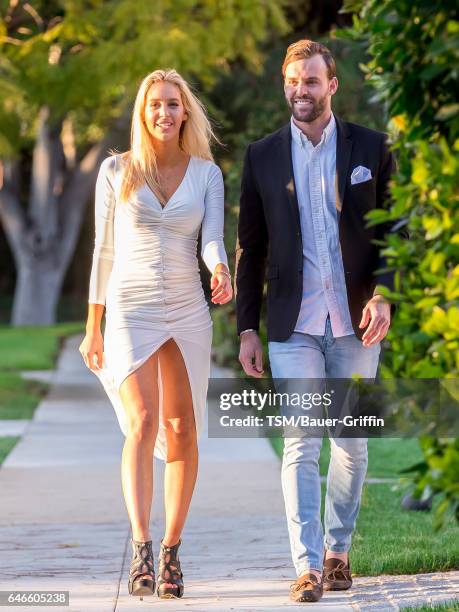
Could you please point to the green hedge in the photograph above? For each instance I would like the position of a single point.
(414, 49)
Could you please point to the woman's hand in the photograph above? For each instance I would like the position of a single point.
(220, 283)
(92, 349)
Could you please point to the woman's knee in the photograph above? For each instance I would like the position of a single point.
(143, 424)
(181, 431)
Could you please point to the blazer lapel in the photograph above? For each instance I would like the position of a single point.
(287, 172)
(343, 157)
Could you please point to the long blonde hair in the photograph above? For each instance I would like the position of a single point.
(196, 133)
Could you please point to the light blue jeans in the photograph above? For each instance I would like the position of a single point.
(307, 356)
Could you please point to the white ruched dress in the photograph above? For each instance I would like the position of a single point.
(145, 271)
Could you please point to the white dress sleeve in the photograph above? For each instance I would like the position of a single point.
(213, 249)
(102, 261)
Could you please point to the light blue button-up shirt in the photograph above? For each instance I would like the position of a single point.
(324, 287)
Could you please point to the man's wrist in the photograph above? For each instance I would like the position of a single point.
(379, 291)
(380, 298)
(245, 331)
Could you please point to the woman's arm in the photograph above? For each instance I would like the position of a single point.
(213, 248)
(102, 261)
(92, 346)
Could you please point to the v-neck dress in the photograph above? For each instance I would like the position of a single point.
(145, 271)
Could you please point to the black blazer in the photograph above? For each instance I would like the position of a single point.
(269, 234)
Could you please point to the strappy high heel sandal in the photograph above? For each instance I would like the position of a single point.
(142, 573)
(169, 572)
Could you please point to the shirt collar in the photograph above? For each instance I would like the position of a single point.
(302, 140)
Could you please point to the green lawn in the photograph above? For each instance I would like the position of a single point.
(6, 445)
(19, 397)
(389, 540)
(26, 348)
(33, 348)
(448, 607)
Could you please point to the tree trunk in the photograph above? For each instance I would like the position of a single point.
(37, 291)
(43, 238)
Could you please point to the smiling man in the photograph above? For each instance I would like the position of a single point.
(304, 194)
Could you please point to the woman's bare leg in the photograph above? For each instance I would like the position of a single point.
(182, 449)
(139, 394)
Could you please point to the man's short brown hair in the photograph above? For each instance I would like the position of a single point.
(304, 49)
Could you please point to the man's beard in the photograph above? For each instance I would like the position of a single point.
(309, 114)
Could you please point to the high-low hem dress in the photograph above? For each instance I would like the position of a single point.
(145, 271)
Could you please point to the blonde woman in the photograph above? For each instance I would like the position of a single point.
(154, 357)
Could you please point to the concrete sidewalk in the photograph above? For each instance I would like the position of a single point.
(64, 526)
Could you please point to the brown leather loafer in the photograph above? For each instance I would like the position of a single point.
(306, 588)
(337, 575)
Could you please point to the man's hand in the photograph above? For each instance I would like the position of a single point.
(377, 313)
(251, 354)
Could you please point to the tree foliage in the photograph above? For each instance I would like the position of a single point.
(414, 65)
(85, 58)
(69, 70)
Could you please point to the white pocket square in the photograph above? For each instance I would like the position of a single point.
(360, 174)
